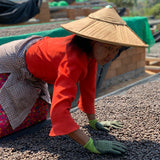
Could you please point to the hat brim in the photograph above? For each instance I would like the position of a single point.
(104, 32)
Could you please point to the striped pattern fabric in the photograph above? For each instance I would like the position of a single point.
(20, 91)
(38, 113)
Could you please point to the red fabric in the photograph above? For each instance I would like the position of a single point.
(38, 113)
(52, 61)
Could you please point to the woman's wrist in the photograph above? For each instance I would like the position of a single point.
(92, 123)
(90, 146)
(79, 136)
(91, 116)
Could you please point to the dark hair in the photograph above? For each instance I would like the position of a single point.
(83, 43)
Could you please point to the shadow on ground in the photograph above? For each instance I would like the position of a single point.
(35, 143)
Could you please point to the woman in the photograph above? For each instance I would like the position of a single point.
(64, 62)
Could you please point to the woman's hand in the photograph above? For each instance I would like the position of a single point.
(105, 125)
(105, 147)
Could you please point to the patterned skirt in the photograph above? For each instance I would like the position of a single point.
(38, 113)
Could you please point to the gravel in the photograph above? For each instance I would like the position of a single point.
(138, 108)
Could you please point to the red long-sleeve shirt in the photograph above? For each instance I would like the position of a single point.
(52, 61)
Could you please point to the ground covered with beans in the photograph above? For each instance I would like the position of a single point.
(138, 108)
(18, 30)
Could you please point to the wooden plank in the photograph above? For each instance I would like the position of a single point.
(151, 59)
(155, 69)
(44, 15)
(153, 22)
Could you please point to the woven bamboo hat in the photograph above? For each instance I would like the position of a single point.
(106, 26)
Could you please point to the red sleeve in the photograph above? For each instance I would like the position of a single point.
(88, 89)
(65, 89)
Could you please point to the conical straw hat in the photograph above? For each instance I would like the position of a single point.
(106, 26)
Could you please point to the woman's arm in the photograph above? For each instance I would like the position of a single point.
(88, 89)
(97, 146)
(79, 136)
